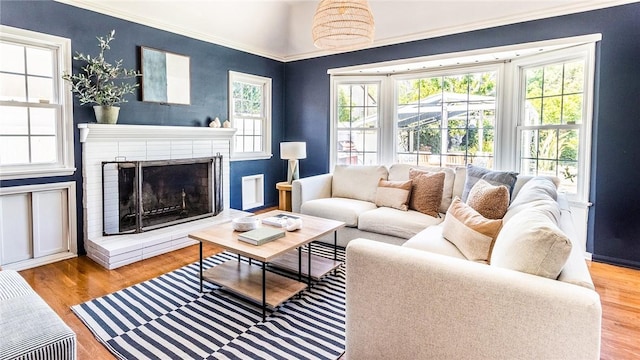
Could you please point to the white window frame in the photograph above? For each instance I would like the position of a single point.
(583, 52)
(65, 165)
(384, 135)
(265, 83)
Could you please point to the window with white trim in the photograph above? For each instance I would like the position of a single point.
(250, 114)
(554, 117)
(36, 111)
(358, 123)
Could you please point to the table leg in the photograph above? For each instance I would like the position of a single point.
(200, 266)
(300, 263)
(335, 250)
(264, 292)
(309, 268)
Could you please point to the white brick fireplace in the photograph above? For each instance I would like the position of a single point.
(104, 142)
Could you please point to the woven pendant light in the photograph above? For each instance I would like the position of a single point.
(342, 25)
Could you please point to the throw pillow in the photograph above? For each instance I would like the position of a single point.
(358, 182)
(426, 194)
(470, 232)
(474, 173)
(531, 242)
(394, 194)
(490, 201)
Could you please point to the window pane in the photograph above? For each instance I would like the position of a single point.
(551, 110)
(572, 109)
(12, 88)
(257, 143)
(529, 141)
(574, 77)
(533, 112)
(12, 59)
(552, 80)
(357, 95)
(43, 149)
(248, 127)
(529, 167)
(257, 127)
(39, 62)
(13, 120)
(568, 175)
(370, 139)
(40, 89)
(533, 79)
(14, 150)
(372, 95)
(568, 146)
(239, 146)
(548, 144)
(43, 121)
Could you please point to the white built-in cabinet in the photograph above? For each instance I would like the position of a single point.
(37, 225)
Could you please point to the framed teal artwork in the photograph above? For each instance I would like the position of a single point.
(165, 77)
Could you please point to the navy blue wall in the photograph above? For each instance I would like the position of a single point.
(209, 74)
(614, 227)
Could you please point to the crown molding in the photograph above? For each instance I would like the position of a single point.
(104, 8)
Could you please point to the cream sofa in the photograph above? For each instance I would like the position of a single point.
(425, 300)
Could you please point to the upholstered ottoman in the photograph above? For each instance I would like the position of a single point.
(29, 328)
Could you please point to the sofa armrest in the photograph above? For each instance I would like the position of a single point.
(402, 303)
(310, 188)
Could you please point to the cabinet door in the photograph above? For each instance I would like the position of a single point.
(50, 219)
(15, 228)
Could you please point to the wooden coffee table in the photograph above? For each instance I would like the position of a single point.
(254, 282)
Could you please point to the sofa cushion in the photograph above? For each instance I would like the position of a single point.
(531, 242)
(394, 194)
(426, 194)
(537, 192)
(474, 173)
(357, 182)
(401, 172)
(470, 232)
(341, 209)
(431, 239)
(489, 200)
(388, 221)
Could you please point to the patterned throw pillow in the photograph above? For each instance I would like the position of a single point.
(474, 173)
(470, 232)
(426, 194)
(394, 194)
(490, 201)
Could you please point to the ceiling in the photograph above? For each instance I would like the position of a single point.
(281, 29)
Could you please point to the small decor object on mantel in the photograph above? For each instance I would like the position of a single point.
(226, 124)
(215, 123)
(96, 84)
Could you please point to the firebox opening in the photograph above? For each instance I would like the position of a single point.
(153, 194)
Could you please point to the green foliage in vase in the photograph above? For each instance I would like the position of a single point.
(100, 82)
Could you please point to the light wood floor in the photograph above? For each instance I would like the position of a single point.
(74, 281)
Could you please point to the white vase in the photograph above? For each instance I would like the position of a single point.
(106, 114)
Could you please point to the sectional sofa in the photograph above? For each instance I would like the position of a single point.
(434, 287)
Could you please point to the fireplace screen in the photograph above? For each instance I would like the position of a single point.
(146, 195)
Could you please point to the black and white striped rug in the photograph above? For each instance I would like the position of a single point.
(168, 318)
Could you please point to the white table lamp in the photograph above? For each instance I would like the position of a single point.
(293, 151)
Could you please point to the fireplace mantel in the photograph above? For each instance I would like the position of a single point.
(114, 142)
(102, 132)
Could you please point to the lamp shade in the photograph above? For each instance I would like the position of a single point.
(293, 150)
(342, 25)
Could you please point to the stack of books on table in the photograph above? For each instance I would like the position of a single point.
(261, 235)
